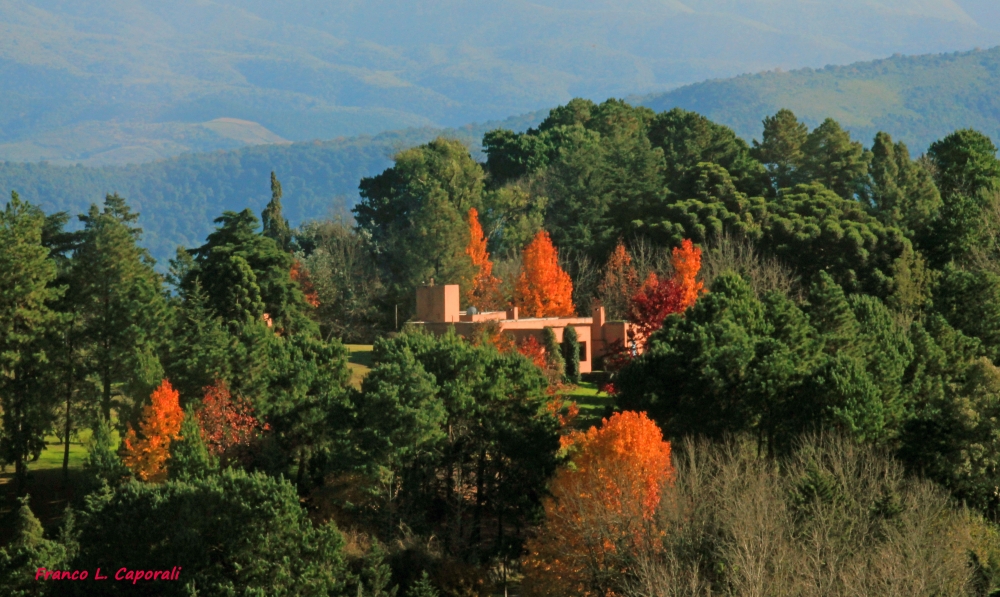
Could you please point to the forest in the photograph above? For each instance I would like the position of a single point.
(811, 405)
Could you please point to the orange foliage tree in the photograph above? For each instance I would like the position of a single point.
(226, 422)
(485, 291)
(658, 297)
(543, 288)
(602, 509)
(619, 284)
(146, 454)
(300, 275)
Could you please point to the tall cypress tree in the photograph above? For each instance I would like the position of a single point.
(571, 354)
(275, 224)
(26, 315)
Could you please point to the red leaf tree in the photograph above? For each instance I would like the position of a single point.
(485, 291)
(226, 422)
(659, 297)
(300, 275)
(601, 510)
(147, 452)
(543, 288)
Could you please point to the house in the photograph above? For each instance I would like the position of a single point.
(438, 309)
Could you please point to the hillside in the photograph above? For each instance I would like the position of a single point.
(178, 198)
(918, 99)
(119, 81)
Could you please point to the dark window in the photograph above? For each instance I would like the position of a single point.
(583, 351)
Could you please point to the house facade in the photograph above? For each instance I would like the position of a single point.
(438, 309)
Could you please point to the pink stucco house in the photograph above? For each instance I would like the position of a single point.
(438, 309)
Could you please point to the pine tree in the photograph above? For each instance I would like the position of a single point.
(275, 224)
(423, 587)
(833, 159)
(26, 296)
(27, 553)
(102, 462)
(189, 456)
(781, 148)
(543, 288)
(121, 302)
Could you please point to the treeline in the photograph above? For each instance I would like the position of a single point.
(820, 314)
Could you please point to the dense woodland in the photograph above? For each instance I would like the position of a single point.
(815, 411)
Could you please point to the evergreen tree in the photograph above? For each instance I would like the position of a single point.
(967, 173)
(780, 149)
(245, 274)
(571, 354)
(415, 214)
(274, 223)
(423, 587)
(553, 352)
(26, 315)
(103, 463)
(122, 305)
(203, 349)
(233, 533)
(26, 554)
(902, 193)
(189, 457)
(831, 158)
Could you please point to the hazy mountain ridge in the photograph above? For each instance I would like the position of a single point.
(308, 69)
(917, 99)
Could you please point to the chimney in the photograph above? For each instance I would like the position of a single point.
(512, 314)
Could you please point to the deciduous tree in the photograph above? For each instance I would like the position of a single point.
(619, 283)
(543, 288)
(602, 509)
(147, 452)
(484, 294)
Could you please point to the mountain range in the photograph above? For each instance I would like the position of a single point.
(130, 81)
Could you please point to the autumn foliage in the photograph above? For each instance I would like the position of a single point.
(485, 291)
(659, 297)
(602, 508)
(147, 452)
(226, 422)
(619, 283)
(300, 276)
(543, 288)
(533, 349)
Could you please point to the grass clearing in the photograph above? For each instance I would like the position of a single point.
(359, 361)
(590, 400)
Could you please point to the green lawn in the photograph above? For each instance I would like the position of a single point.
(359, 361)
(591, 402)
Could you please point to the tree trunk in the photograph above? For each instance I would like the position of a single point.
(69, 399)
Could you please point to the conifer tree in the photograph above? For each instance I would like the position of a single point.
(423, 587)
(571, 354)
(275, 225)
(830, 157)
(26, 296)
(121, 303)
(781, 148)
(29, 551)
(189, 456)
(102, 462)
(553, 352)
